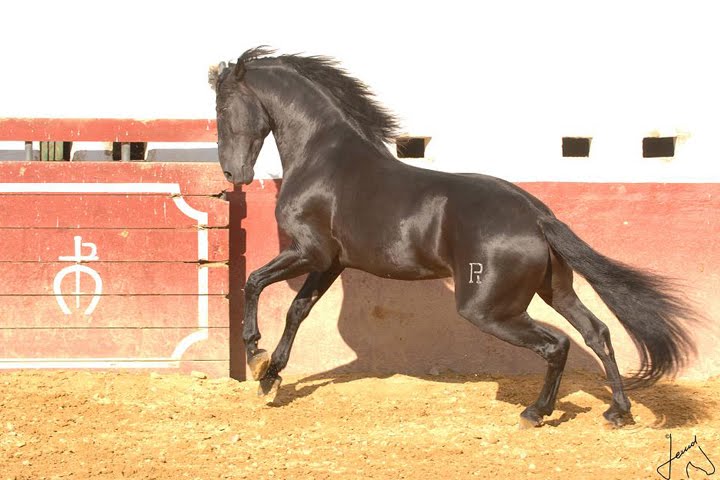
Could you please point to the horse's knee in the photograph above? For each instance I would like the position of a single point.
(252, 285)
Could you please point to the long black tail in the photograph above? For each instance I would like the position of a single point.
(648, 305)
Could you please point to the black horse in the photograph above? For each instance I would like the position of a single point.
(346, 202)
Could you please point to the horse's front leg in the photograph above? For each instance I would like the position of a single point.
(316, 284)
(288, 264)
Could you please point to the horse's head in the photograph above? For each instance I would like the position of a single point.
(242, 122)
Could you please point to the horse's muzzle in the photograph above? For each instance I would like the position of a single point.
(247, 174)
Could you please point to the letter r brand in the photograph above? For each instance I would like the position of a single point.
(475, 270)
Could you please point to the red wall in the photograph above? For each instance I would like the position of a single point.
(153, 311)
(162, 266)
(369, 324)
(149, 263)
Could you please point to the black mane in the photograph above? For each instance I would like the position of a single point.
(377, 123)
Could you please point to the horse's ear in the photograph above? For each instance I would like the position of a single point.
(239, 70)
(214, 74)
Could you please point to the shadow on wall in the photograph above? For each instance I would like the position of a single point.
(413, 328)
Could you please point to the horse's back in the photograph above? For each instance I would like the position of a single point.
(407, 222)
(496, 222)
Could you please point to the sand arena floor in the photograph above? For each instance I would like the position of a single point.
(78, 425)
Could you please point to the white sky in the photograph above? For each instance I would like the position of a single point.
(504, 79)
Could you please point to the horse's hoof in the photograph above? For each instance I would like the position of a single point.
(617, 420)
(268, 388)
(529, 418)
(259, 364)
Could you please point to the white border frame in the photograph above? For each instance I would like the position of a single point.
(173, 361)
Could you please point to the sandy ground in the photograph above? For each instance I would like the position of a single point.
(136, 425)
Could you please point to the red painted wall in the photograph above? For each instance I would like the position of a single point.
(163, 268)
(147, 251)
(369, 324)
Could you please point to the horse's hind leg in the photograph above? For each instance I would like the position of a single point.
(522, 331)
(497, 306)
(561, 296)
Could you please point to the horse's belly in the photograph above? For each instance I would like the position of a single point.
(400, 265)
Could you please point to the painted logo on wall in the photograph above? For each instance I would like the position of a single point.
(78, 269)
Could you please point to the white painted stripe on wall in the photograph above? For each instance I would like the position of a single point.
(15, 363)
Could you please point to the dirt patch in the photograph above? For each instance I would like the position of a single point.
(135, 425)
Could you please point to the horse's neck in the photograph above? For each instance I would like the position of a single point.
(302, 116)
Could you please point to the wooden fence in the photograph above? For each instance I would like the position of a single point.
(113, 264)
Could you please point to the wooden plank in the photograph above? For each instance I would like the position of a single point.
(147, 311)
(108, 130)
(18, 278)
(106, 211)
(192, 178)
(113, 245)
(136, 343)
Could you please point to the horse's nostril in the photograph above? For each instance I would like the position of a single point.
(228, 175)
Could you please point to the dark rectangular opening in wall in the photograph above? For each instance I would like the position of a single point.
(654, 147)
(576, 146)
(55, 151)
(410, 147)
(137, 150)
